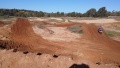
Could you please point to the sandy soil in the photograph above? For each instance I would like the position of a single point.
(9, 59)
(59, 34)
(96, 21)
(102, 20)
(57, 47)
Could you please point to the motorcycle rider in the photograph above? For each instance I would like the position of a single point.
(100, 29)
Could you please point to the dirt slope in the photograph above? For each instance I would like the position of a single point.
(91, 33)
(97, 50)
(24, 39)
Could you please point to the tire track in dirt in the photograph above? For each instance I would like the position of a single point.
(91, 33)
(24, 39)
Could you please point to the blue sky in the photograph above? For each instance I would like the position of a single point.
(61, 5)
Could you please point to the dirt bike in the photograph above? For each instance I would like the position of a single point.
(100, 31)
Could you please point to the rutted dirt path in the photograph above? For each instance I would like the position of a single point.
(60, 49)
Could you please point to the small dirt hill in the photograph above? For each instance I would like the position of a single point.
(22, 27)
(91, 34)
(24, 39)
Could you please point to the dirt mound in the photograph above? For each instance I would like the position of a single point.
(1, 23)
(91, 33)
(22, 27)
(24, 39)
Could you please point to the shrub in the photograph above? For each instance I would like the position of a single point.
(116, 27)
(75, 29)
(112, 33)
(40, 24)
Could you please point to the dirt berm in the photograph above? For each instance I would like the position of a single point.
(24, 39)
(91, 34)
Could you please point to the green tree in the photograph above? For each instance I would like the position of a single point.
(62, 14)
(102, 12)
(58, 14)
(91, 12)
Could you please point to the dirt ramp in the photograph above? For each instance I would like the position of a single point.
(24, 39)
(91, 33)
(22, 32)
(22, 27)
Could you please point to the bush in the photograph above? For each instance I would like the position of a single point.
(112, 33)
(75, 29)
(116, 27)
(40, 24)
(7, 22)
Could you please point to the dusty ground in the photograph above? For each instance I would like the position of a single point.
(96, 21)
(86, 20)
(57, 47)
(59, 34)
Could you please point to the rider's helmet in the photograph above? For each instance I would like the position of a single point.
(100, 28)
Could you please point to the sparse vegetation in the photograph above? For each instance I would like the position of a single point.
(115, 17)
(69, 21)
(7, 22)
(75, 29)
(40, 24)
(116, 27)
(112, 33)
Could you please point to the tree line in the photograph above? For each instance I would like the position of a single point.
(102, 12)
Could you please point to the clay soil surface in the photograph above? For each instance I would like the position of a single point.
(30, 44)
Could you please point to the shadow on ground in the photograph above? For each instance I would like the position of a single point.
(79, 66)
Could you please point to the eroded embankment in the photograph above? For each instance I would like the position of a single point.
(24, 39)
(91, 33)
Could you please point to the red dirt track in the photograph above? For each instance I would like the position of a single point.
(88, 47)
(91, 33)
(24, 39)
